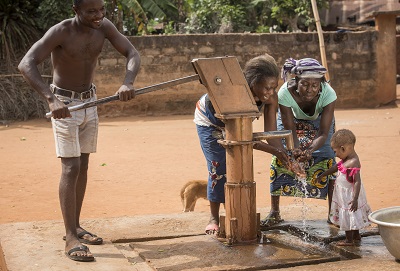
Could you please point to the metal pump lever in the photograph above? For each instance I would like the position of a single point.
(143, 90)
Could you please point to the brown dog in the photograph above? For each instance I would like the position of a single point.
(192, 191)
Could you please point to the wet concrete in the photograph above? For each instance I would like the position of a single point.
(177, 242)
(318, 231)
(207, 253)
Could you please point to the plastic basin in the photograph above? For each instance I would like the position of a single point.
(388, 221)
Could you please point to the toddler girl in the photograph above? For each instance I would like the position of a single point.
(349, 208)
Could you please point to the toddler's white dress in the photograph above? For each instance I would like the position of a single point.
(342, 196)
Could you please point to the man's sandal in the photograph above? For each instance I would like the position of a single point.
(96, 241)
(80, 258)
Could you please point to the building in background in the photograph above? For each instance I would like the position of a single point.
(345, 12)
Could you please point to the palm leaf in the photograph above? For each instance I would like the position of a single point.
(152, 7)
(134, 7)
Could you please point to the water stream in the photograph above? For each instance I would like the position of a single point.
(304, 208)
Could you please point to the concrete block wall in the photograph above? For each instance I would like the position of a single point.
(351, 58)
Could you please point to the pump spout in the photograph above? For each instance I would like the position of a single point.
(286, 134)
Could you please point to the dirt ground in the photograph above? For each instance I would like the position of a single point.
(142, 162)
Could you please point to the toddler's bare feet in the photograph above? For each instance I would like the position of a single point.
(212, 227)
(345, 243)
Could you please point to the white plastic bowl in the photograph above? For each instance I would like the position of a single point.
(388, 221)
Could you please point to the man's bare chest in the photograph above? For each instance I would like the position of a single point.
(83, 49)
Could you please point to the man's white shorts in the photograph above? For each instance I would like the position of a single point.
(77, 134)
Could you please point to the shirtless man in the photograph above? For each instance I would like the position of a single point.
(74, 45)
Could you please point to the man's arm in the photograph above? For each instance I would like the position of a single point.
(40, 51)
(124, 47)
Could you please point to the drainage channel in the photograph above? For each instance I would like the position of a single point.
(285, 245)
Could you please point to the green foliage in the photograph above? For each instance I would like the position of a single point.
(133, 16)
(259, 12)
(289, 11)
(18, 28)
(210, 16)
(159, 9)
(263, 29)
(23, 21)
(126, 15)
(169, 29)
(52, 12)
(153, 26)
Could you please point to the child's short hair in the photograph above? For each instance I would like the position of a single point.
(342, 137)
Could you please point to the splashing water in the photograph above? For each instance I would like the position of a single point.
(304, 208)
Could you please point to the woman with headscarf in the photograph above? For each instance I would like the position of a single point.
(306, 106)
(262, 76)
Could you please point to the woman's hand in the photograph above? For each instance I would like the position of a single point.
(297, 168)
(283, 157)
(294, 165)
(296, 153)
(281, 154)
(302, 155)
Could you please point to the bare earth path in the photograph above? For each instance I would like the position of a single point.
(142, 163)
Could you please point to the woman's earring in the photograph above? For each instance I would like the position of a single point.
(297, 90)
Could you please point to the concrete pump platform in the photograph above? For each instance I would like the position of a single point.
(177, 242)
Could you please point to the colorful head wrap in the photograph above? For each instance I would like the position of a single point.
(306, 67)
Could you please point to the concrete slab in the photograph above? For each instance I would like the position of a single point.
(371, 246)
(39, 245)
(208, 253)
(177, 242)
(318, 230)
